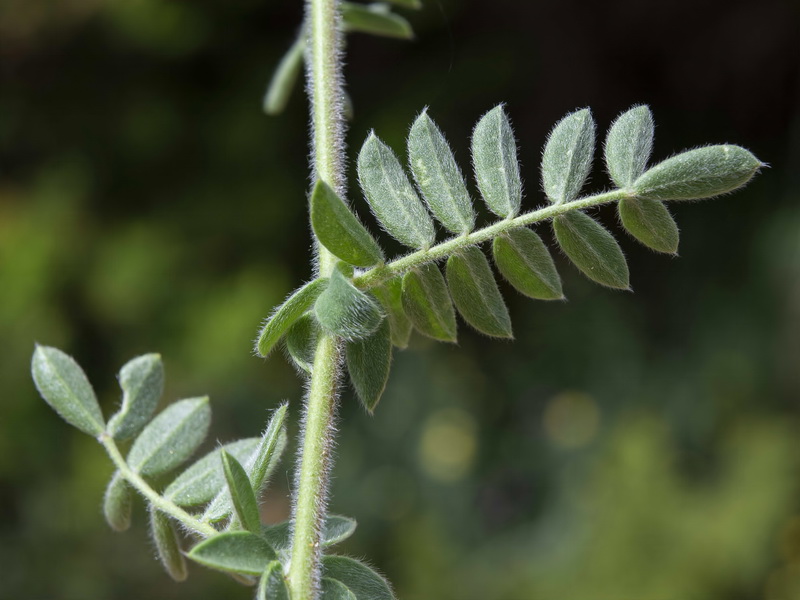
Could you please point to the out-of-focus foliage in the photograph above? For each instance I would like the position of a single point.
(638, 445)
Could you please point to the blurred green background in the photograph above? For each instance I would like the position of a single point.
(640, 445)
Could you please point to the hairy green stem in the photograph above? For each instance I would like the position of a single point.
(148, 492)
(377, 275)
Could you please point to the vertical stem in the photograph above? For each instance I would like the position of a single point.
(311, 486)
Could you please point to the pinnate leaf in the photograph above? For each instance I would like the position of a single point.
(301, 342)
(272, 585)
(295, 306)
(494, 157)
(345, 311)
(368, 363)
(162, 530)
(142, 383)
(206, 478)
(234, 551)
(523, 259)
(339, 230)
(335, 590)
(427, 303)
(391, 197)
(117, 503)
(475, 293)
(242, 495)
(337, 529)
(171, 437)
(567, 157)
(390, 295)
(64, 386)
(649, 222)
(438, 176)
(375, 20)
(361, 580)
(628, 145)
(284, 80)
(592, 249)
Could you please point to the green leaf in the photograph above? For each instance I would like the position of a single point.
(245, 504)
(375, 19)
(339, 230)
(649, 222)
(171, 437)
(390, 196)
(345, 311)
(407, 3)
(592, 249)
(700, 173)
(628, 145)
(363, 581)
(301, 342)
(390, 295)
(142, 383)
(494, 157)
(234, 551)
(205, 478)
(273, 583)
(287, 313)
(337, 529)
(335, 590)
(475, 293)
(567, 157)
(117, 503)
(259, 466)
(427, 303)
(168, 548)
(368, 362)
(284, 80)
(523, 259)
(438, 176)
(64, 386)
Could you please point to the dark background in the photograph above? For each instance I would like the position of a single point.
(624, 446)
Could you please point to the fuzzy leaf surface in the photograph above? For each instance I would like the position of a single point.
(64, 386)
(649, 222)
(284, 80)
(390, 295)
(142, 383)
(205, 478)
(375, 20)
(337, 529)
(165, 538)
(700, 173)
(361, 580)
(272, 585)
(345, 311)
(301, 342)
(171, 437)
(339, 230)
(475, 293)
(628, 145)
(427, 303)
(391, 197)
(117, 503)
(295, 306)
(335, 590)
(494, 158)
(368, 363)
(592, 249)
(567, 157)
(438, 176)
(244, 499)
(234, 551)
(523, 259)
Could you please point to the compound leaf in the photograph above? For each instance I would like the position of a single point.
(234, 551)
(272, 585)
(345, 311)
(375, 19)
(287, 313)
(438, 176)
(361, 580)
(391, 197)
(142, 383)
(523, 259)
(592, 249)
(162, 530)
(339, 230)
(567, 157)
(368, 363)
(475, 293)
(244, 500)
(64, 386)
(494, 158)
(301, 342)
(649, 222)
(171, 437)
(390, 295)
(117, 503)
(427, 303)
(284, 80)
(337, 529)
(628, 145)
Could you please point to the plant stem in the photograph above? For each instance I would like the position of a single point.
(153, 496)
(316, 451)
(377, 275)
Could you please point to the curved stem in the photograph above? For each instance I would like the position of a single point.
(153, 496)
